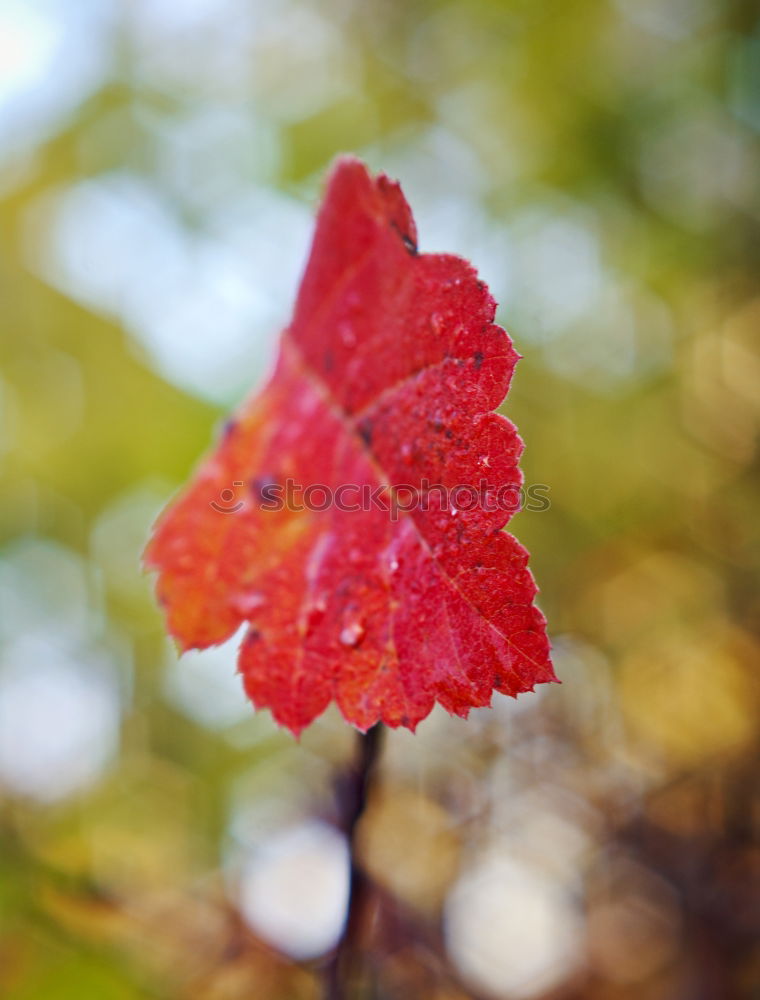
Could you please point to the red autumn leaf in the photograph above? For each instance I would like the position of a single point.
(387, 376)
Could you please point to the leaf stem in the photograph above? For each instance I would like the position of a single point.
(343, 970)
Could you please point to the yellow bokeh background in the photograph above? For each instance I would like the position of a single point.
(597, 160)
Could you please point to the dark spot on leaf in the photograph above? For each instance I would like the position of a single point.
(449, 433)
(365, 431)
(406, 239)
(478, 359)
(253, 635)
(260, 485)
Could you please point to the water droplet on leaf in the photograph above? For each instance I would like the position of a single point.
(352, 634)
(313, 616)
(347, 335)
(247, 602)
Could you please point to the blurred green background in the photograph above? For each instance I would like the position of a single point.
(160, 163)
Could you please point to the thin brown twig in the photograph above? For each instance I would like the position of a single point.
(344, 969)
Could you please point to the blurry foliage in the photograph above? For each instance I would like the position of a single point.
(598, 162)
